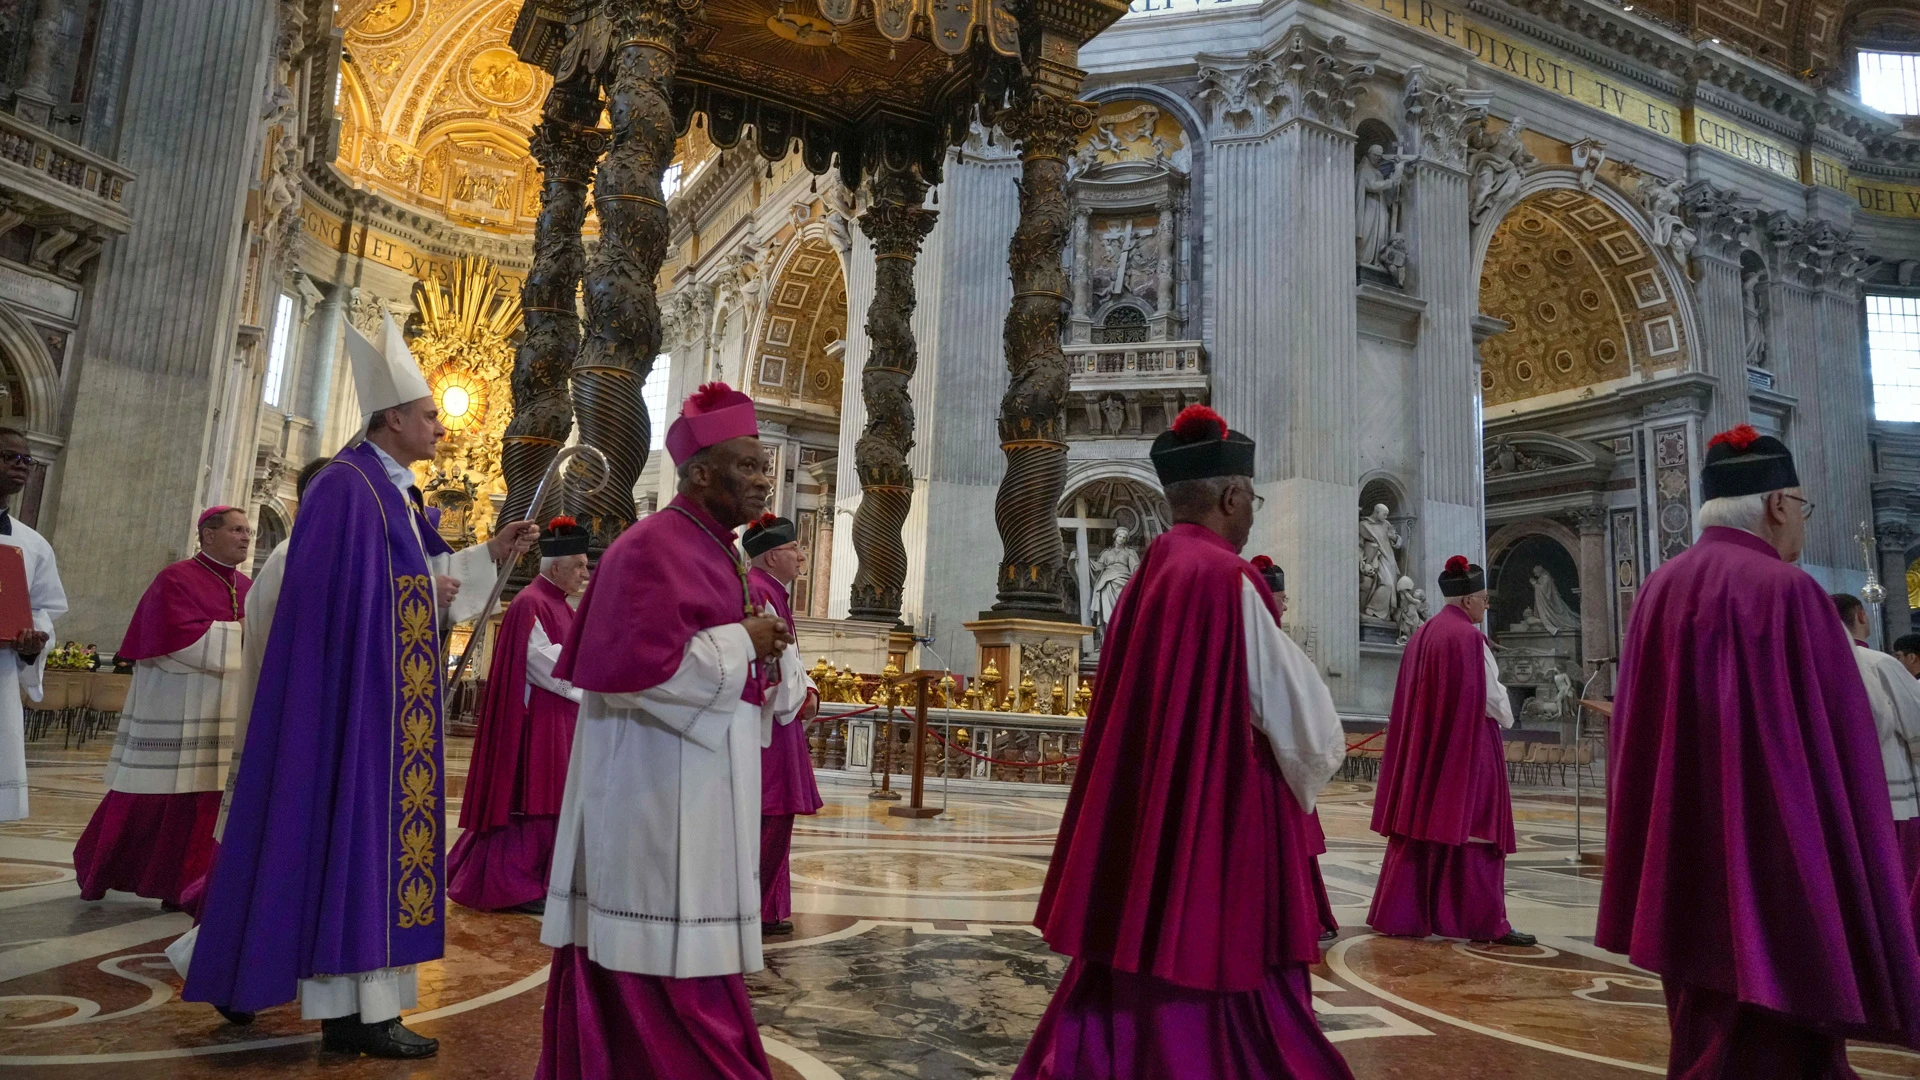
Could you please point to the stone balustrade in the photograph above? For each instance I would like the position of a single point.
(1133, 390)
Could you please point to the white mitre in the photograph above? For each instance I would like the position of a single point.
(384, 375)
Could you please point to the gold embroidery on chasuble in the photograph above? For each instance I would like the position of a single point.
(418, 888)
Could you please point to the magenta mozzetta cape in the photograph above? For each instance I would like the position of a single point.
(661, 582)
(520, 756)
(183, 600)
(1750, 845)
(1182, 855)
(1443, 774)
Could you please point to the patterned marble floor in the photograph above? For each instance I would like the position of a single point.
(913, 958)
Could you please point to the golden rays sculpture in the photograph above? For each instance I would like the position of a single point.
(465, 347)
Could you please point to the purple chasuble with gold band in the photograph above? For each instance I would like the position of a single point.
(332, 862)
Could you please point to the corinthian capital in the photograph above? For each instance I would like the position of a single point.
(1721, 220)
(1304, 78)
(1045, 124)
(1437, 117)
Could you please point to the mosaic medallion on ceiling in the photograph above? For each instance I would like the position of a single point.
(436, 109)
(806, 314)
(1585, 299)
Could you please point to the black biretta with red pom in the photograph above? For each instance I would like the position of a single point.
(1461, 578)
(768, 533)
(1276, 577)
(1198, 446)
(563, 536)
(1741, 461)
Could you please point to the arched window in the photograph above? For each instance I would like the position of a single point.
(1890, 81)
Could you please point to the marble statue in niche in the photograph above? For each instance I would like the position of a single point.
(1377, 181)
(1496, 165)
(1114, 411)
(1753, 306)
(1550, 610)
(1379, 566)
(1111, 571)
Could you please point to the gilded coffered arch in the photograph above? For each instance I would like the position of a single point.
(797, 347)
(437, 110)
(1586, 299)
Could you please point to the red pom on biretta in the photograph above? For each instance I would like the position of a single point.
(1740, 437)
(1262, 563)
(1457, 565)
(561, 523)
(1197, 422)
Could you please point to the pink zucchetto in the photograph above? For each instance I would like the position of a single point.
(212, 512)
(715, 413)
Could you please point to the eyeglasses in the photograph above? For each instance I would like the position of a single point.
(1806, 508)
(1259, 501)
(19, 459)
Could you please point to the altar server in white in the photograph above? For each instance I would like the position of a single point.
(21, 672)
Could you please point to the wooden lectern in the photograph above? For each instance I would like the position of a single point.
(921, 681)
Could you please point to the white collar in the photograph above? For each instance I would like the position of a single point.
(401, 476)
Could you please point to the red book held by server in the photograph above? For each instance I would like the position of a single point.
(16, 609)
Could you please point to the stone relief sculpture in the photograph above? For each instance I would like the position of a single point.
(1412, 609)
(1550, 704)
(1393, 259)
(1111, 571)
(1376, 204)
(1379, 567)
(1051, 664)
(1550, 610)
(1496, 164)
(1663, 200)
(1588, 156)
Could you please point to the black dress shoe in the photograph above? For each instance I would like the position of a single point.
(234, 1016)
(1516, 939)
(385, 1039)
(775, 929)
(1329, 935)
(535, 906)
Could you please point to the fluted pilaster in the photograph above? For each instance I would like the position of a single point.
(1721, 221)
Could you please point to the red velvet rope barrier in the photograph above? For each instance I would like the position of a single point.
(1351, 747)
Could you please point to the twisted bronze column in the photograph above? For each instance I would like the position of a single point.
(623, 316)
(566, 146)
(896, 223)
(1032, 412)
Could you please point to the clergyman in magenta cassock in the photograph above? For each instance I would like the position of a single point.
(787, 786)
(653, 907)
(153, 834)
(1180, 882)
(511, 806)
(1442, 801)
(1751, 861)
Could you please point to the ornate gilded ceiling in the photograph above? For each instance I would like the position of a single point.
(1802, 36)
(436, 110)
(1585, 298)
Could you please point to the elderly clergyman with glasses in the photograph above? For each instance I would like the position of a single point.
(47, 599)
(1751, 860)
